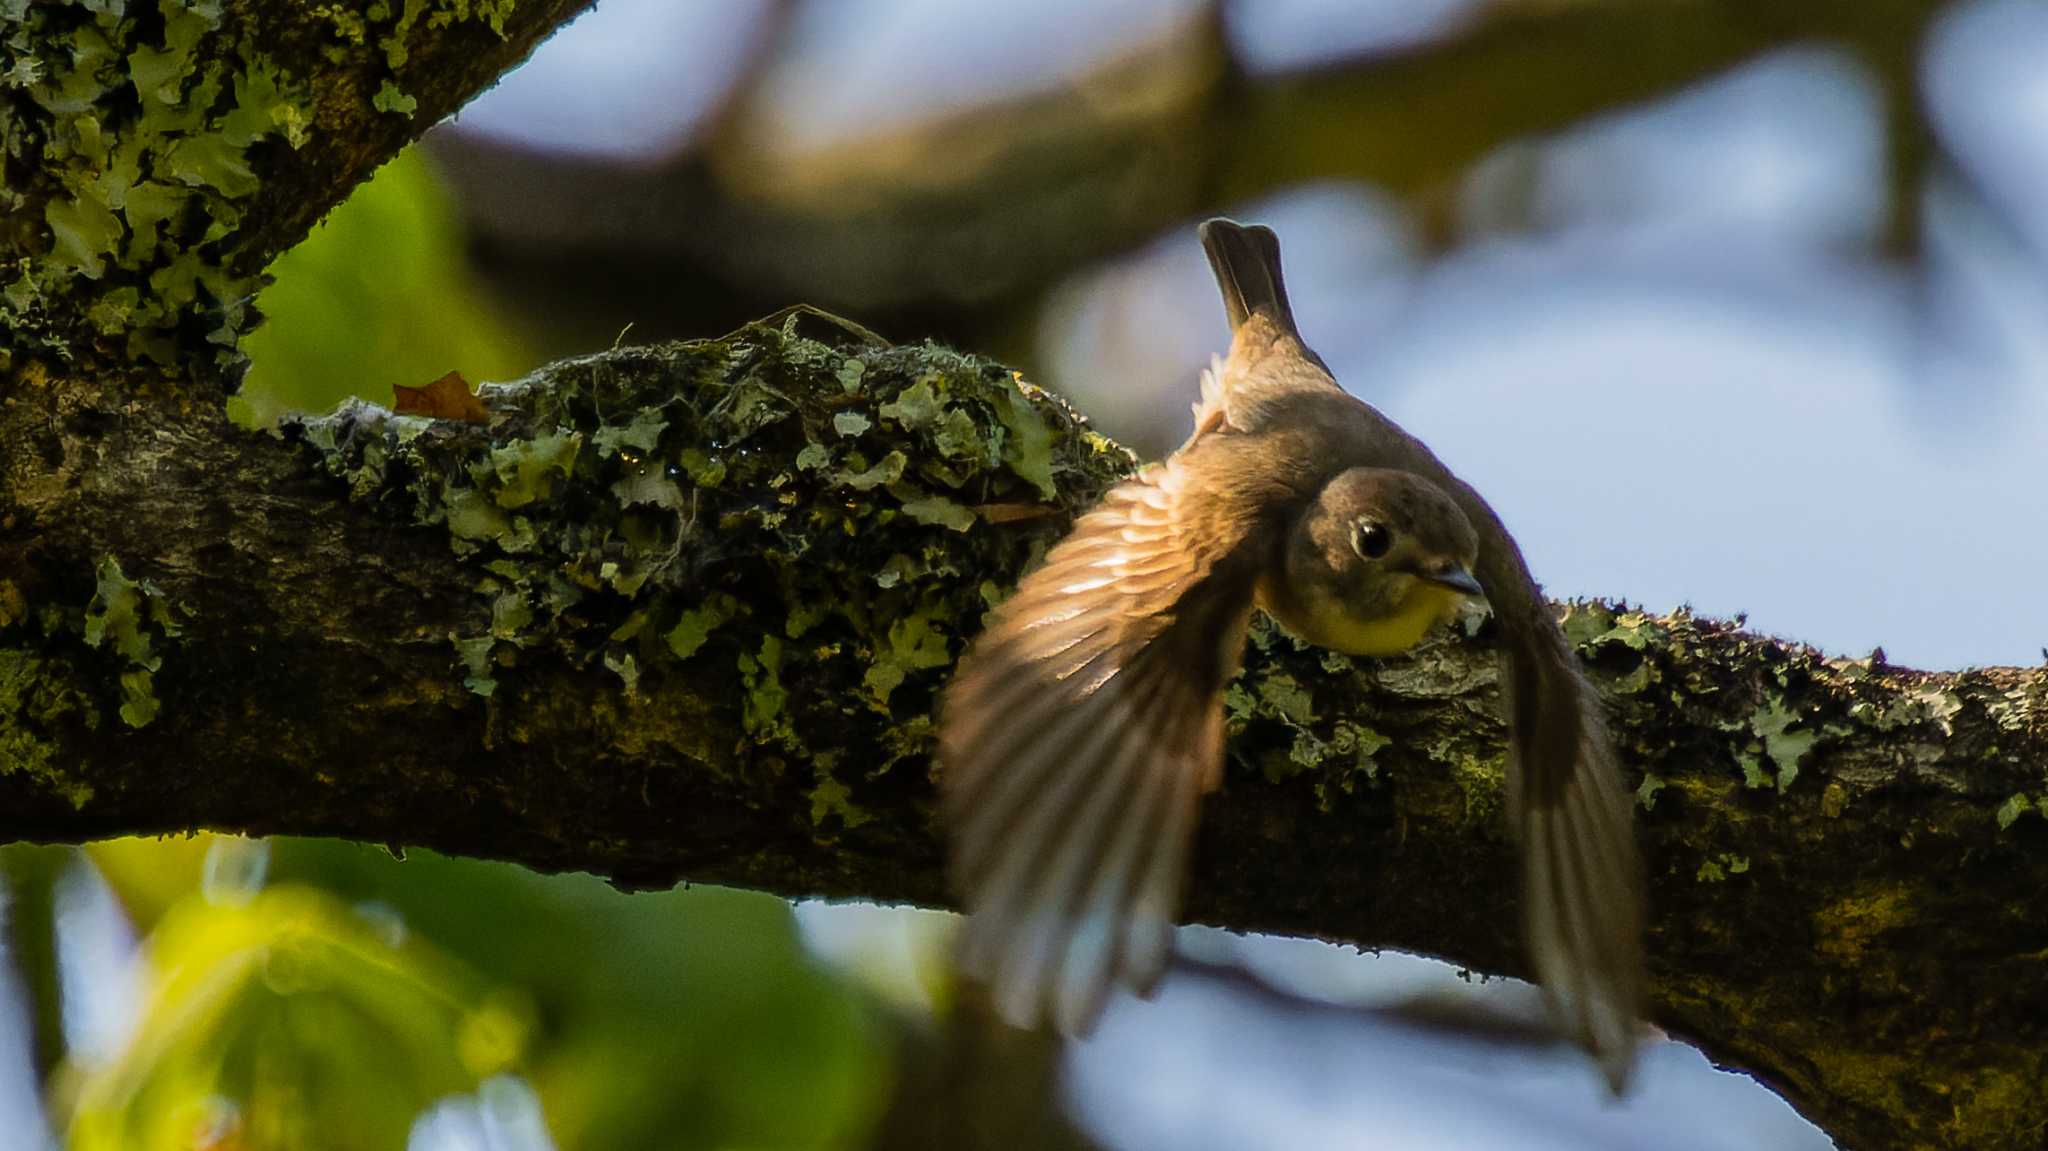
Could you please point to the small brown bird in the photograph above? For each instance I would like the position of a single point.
(1084, 725)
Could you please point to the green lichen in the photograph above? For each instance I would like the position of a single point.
(1647, 793)
(1276, 705)
(1276, 696)
(38, 696)
(831, 798)
(1720, 867)
(475, 654)
(625, 509)
(143, 129)
(1482, 784)
(346, 25)
(914, 643)
(928, 508)
(764, 716)
(1349, 741)
(1779, 739)
(511, 611)
(131, 619)
(696, 624)
(915, 409)
(862, 477)
(140, 133)
(390, 98)
(1596, 630)
(399, 18)
(2019, 804)
(1285, 695)
(1784, 747)
(525, 469)
(637, 437)
(626, 668)
(1028, 447)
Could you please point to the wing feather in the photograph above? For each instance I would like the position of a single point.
(1582, 897)
(1079, 735)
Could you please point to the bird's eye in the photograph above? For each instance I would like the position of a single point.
(1370, 539)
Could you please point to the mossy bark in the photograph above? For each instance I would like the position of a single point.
(156, 154)
(682, 611)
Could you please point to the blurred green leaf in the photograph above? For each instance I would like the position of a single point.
(377, 295)
(291, 1021)
(690, 1018)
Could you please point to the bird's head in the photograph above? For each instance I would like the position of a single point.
(1379, 558)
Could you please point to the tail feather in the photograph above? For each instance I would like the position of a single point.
(1246, 259)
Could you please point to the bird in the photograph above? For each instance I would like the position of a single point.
(1085, 723)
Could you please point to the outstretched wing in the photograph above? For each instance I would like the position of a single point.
(1582, 899)
(1582, 902)
(1582, 883)
(1078, 736)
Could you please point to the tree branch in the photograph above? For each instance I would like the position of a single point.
(681, 612)
(157, 156)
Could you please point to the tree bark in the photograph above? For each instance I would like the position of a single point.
(156, 156)
(681, 612)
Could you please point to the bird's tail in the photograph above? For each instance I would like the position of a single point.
(1246, 260)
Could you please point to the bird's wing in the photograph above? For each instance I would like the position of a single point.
(1078, 736)
(1582, 901)
(1210, 416)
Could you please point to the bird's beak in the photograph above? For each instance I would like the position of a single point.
(1457, 579)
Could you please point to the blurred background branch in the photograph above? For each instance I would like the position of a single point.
(950, 222)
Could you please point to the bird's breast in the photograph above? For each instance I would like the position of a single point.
(1327, 621)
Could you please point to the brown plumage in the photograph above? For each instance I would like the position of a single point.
(1083, 727)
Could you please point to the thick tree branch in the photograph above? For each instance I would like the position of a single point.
(681, 612)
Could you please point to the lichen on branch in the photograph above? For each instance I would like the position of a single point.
(155, 154)
(786, 513)
(149, 142)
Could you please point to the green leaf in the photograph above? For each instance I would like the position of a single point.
(294, 1003)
